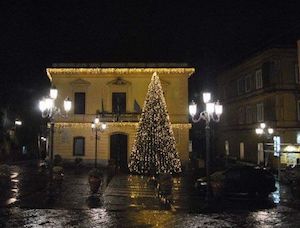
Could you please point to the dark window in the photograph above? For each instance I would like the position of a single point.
(231, 89)
(78, 146)
(298, 110)
(258, 79)
(119, 102)
(247, 83)
(79, 103)
(266, 73)
(241, 86)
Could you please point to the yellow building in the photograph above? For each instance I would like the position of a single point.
(264, 88)
(117, 91)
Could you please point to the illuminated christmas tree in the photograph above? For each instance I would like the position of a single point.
(154, 148)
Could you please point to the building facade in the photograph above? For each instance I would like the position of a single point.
(117, 92)
(262, 89)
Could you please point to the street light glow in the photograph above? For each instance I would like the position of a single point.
(259, 131)
(53, 92)
(18, 122)
(193, 108)
(97, 120)
(67, 104)
(49, 103)
(218, 109)
(270, 131)
(210, 108)
(262, 125)
(42, 105)
(206, 97)
(103, 126)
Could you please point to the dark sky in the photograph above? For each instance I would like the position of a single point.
(206, 34)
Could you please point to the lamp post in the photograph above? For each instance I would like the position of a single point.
(263, 130)
(49, 110)
(18, 123)
(212, 112)
(97, 126)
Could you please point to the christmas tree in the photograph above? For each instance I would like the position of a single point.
(154, 148)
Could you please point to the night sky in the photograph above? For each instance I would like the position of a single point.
(206, 34)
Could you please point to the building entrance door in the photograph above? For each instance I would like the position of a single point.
(118, 151)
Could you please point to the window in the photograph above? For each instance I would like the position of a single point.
(248, 114)
(227, 147)
(297, 74)
(241, 115)
(298, 110)
(241, 86)
(260, 112)
(260, 153)
(78, 146)
(247, 83)
(258, 79)
(79, 106)
(242, 151)
(119, 103)
(298, 138)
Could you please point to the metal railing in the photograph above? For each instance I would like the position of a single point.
(105, 117)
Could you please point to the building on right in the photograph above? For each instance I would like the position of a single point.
(264, 88)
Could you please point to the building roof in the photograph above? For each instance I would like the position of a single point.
(120, 65)
(264, 53)
(113, 69)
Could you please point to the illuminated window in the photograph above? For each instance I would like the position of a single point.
(227, 147)
(242, 150)
(260, 112)
(298, 137)
(258, 79)
(78, 146)
(79, 103)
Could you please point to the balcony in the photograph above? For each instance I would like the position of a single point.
(104, 117)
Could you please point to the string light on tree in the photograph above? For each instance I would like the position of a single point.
(154, 148)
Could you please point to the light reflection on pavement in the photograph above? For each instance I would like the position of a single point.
(280, 217)
(135, 205)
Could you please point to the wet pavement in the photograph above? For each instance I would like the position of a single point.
(132, 201)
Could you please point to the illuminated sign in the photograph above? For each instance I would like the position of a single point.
(276, 141)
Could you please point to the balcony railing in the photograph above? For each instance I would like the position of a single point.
(104, 117)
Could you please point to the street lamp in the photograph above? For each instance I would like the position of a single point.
(263, 130)
(49, 110)
(18, 122)
(212, 112)
(97, 126)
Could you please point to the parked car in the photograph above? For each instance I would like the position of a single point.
(290, 174)
(291, 177)
(239, 181)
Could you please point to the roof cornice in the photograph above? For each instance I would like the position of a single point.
(94, 72)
